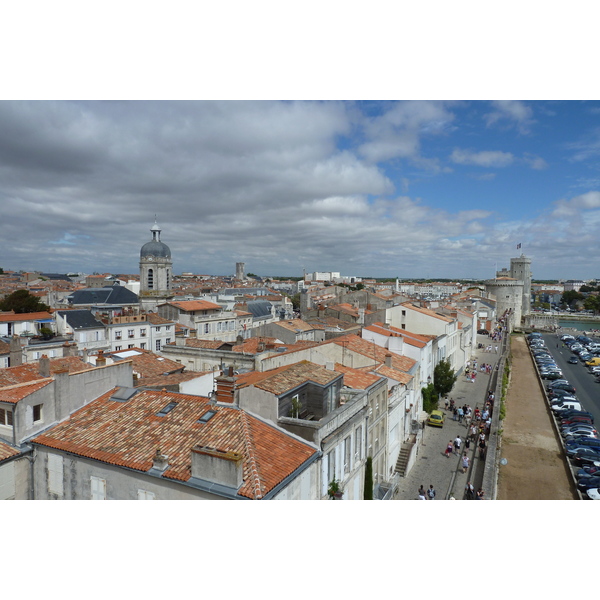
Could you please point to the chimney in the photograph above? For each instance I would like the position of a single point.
(84, 355)
(16, 352)
(223, 467)
(160, 461)
(388, 360)
(226, 387)
(361, 316)
(44, 366)
(330, 366)
(100, 359)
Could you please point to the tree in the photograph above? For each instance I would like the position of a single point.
(22, 301)
(295, 301)
(592, 303)
(430, 398)
(368, 493)
(570, 296)
(444, 377)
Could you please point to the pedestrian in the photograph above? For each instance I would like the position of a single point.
(469, 491)
(422, 491)
(457, 443)
(467, 443)
(431, 493)
(465, 462)
(480, 494)
(422, 496)
(473, 431)
(461, 413)
(446, 402)
(448, 449)
(482, 449)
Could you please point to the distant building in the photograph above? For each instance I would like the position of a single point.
(156, 272)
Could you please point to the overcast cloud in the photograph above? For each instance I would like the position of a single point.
(368, 189)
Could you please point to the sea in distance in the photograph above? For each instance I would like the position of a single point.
(587, 325)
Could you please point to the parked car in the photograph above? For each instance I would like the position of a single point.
(562, 386)
(586, 456)
(550, 375)
(570, 422)
(558, 408)
(588, 471)
(436, 418)
(552, 394)
(558, 401)
(593, 493)
(566, 430)
(588, 483)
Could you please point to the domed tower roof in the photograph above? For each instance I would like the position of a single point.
(155, 248)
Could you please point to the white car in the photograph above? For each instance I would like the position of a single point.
(593, 493)
(558, 408)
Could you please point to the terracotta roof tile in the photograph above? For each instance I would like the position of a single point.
(283, 379)
(128, 434)
(193, 305)
(13, 393)
(31, 371)
(357, 379)
(7, 318)
(7, 451)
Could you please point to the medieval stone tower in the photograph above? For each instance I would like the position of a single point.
(156, 272)
(520, 269)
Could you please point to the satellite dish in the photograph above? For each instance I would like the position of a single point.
(503, 461)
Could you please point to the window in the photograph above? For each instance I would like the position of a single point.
(158, 345)
(131, 346)
(168, 328)
(331, 465)
(143, 345)
(145, 495)
(207, 416)
(150, 279)
(168, 341)
(167, 409)
(142, 332)
(206, 328)
(131, 333)
(357, 443)
(118, 335)
(98, 488)
(347, 455)
(37, 413)
(157, 329)
(6, 417)
(55, 474)
(117, 348)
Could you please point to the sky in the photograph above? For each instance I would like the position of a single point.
(434, 189)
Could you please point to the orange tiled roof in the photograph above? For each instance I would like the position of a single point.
(155, 319)
(372, 350)
(414, 339)
(427, 311)
(7, 451)
(355, 378)
(128, 434)
(193, 305)
(4, 348)
(13, 393)
(282, 379)
(31, 371)
(34, 316)
(295, 324)
(148, 364)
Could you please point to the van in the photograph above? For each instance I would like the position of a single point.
(594, 362)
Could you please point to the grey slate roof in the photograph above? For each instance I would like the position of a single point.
(115, 294)
(260, 309)
(80, 319)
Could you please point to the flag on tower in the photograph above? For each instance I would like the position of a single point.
(518, 246)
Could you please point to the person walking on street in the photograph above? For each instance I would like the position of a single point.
(449, 449)
(457, 443)
(461, 413)
(465, 462)
(482, 448)
(480, 494)
(431, 493)
(470, 491)
(422, 492)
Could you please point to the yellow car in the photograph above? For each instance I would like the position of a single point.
(436, 418)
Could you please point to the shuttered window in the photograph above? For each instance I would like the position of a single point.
(55, 474)
(98, 488)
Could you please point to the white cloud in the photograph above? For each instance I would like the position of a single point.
(535, 162)
(485, 158)
(514, 112)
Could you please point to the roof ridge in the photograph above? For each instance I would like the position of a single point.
(24, 383)
(253, 473)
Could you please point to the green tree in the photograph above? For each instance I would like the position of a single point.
(22, 301)
(368, 493)
(570, 296)
(295, 301)
(444, 377)
(430, 398)
(592, 303)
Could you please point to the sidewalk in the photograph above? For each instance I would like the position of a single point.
(432, 466)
